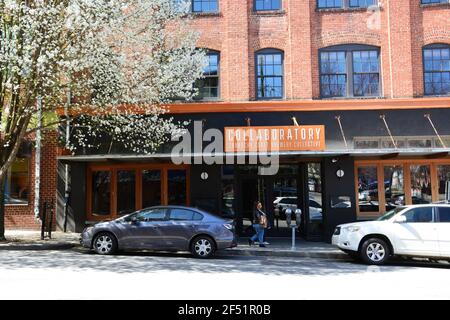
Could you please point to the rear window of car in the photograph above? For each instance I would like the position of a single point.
(184, 215)
(444, 214)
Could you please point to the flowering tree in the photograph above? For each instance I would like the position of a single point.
(120, 60)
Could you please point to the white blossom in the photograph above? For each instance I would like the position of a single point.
(121, 60)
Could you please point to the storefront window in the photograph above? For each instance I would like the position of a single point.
(177, 187)
(368, 189)
(394, 186)
(443, 179)
(126, 192)
(151, 188)
(227, 206)
(315, 198)
(17, 182)
(101, 193)
(420, 184)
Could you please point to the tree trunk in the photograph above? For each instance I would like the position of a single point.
(2, 208)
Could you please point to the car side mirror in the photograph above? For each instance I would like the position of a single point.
(134, 220)
(400, 219)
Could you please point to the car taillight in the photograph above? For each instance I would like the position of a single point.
(337, 231)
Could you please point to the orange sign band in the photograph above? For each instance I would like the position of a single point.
(282, 138)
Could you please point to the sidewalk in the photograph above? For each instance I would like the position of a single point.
(31, 240)
(282, 247)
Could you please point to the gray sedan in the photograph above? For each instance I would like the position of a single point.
(166, 228)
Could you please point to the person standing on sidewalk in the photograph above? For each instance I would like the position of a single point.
(259, 224)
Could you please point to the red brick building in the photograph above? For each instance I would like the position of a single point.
(374, 73)
(20, 184)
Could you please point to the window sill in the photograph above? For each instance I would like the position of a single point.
(17, 204)
(206, 14)
(435, 96)
(352, 98)
(344, 10)
(269, 13)
(435, 5)
(204, 100)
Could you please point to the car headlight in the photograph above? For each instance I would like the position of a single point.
(87, 229)
(352, 229)
(229, 226)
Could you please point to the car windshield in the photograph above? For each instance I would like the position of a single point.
(390, 214)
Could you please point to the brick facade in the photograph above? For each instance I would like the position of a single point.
(399, 28)
(22, 216)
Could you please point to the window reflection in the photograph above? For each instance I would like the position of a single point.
(126, 192)
(151, 188)
(394, 186)
(368, 189)
(420, 184)
(177, 187)
(443, 178)
(101, 193)
(17, 182)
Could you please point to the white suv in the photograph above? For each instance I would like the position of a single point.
(416, 231)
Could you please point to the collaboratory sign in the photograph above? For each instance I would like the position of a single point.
(282, 138)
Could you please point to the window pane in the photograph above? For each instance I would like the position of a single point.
(333, 70)
(101, 193)
(420, 184)
(151, 188)
(444, 214)
(181, 215)
(209, 84)
(151, 215)
(269, 82)
(394, 187)
(366, 76)
(368, 189)
(126, 192)
(267, 5)
(419, 215)
(443, 178)
(17, 182)
(205, 6)
(437, 70)
(177, 187)
(315, 198)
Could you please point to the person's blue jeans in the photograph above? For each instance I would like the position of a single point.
(259, 234)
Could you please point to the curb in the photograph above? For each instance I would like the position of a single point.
(36, 246)
(285, 253)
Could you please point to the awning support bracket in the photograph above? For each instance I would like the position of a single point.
(338, 119)
(383, 117)
(428, 116)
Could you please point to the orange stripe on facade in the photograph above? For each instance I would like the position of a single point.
(287, 106)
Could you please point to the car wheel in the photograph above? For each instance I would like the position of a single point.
(374, 251)
(203, 247)
(105, 243)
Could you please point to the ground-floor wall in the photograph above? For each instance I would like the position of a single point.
(19, 208)
(227, 190)
(355, 170)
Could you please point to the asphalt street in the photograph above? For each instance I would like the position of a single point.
(78, 274)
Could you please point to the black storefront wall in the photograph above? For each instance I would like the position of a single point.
(206, 192)
(335, 186)
(205, 187)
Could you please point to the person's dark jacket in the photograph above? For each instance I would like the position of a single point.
(257, 215)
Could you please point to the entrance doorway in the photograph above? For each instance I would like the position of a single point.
(295, 194)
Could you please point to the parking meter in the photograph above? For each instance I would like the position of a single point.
(298, 217)
(288, 213)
